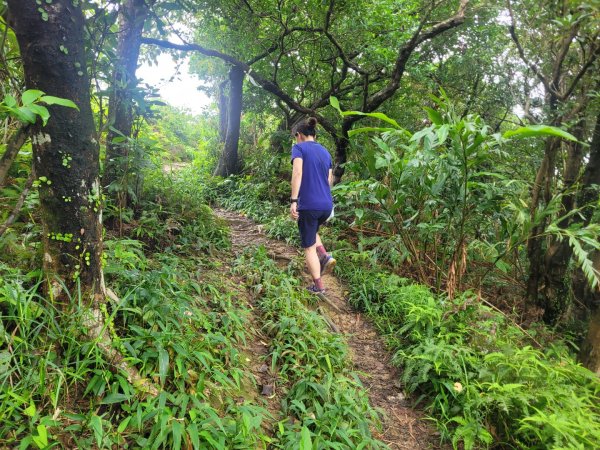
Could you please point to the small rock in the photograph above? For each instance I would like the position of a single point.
(264, 368)
(268, 390)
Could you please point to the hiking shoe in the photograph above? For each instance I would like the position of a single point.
(327, 264)
(313, 289)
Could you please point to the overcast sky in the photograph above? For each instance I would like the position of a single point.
(181, 91)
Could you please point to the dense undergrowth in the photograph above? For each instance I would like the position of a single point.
(485, 381)
(325, 403)
(184, 327)
(174, 322)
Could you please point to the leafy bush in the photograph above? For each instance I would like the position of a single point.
(483, 380)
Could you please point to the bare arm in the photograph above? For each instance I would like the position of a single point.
(330, 178)
(296, 180)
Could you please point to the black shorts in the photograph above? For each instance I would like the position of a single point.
(309, 222)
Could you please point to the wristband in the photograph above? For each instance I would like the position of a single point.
(293, 200)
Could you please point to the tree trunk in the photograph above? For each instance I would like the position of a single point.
(223, 112)
(132, 15)
(12, 150)
(342, 144)
(555, 293)
(228, 162)
(65, 153)
(535, 251)
(589, 352)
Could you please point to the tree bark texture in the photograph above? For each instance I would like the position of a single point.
(12, 150)
(132, 16)
(228, 162)
(65, 153)
(589, 353)
(555, 292)
(223, 110)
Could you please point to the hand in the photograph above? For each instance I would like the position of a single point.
(294, 211)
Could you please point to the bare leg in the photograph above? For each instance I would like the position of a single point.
(312, 261)
(319, 243)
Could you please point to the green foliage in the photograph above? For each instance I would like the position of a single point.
(452, 177)
(30, 108)
(483, 381)
(172, 323)
(328, 404)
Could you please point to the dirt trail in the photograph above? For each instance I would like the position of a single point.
(403, 427)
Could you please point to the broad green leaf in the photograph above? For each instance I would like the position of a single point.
(24, 114)
(10, 101)
(30, 96)
(50, 100)
(375, 115)
(5, 357)
(333, 101)
(41, 111)
(538, 130)
(114, 398)
(305, 440)
(30, 410)
(434, 116)
(123, 425)
(96, 425)
(41, 440)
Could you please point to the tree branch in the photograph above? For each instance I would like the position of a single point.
(515, 38)
(267, 85)
(375, 100)
(582, 72)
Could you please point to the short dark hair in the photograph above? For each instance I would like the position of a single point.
(307, 127)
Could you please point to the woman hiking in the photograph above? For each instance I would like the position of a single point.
(311, 202)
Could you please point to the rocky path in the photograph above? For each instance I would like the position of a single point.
(403, 426)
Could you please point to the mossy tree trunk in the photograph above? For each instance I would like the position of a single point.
(65, 153)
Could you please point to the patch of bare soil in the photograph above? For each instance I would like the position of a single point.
(404, 427)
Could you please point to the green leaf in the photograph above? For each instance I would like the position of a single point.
(41, 440)
(192, 431)
(177, 430)
(305, 440)
(50, 100)
(24, 114)
(10, 101)
(96, 425)
(123, 425)
(163, 364)
(434, 116)
(30, 410)
(538, 130)
(375, 115)
(30, 96)
(114, 398)
(369, 130)
(41, 111)
(5, 357)
(333, 101)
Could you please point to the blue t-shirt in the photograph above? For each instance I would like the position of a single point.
(315, 193)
